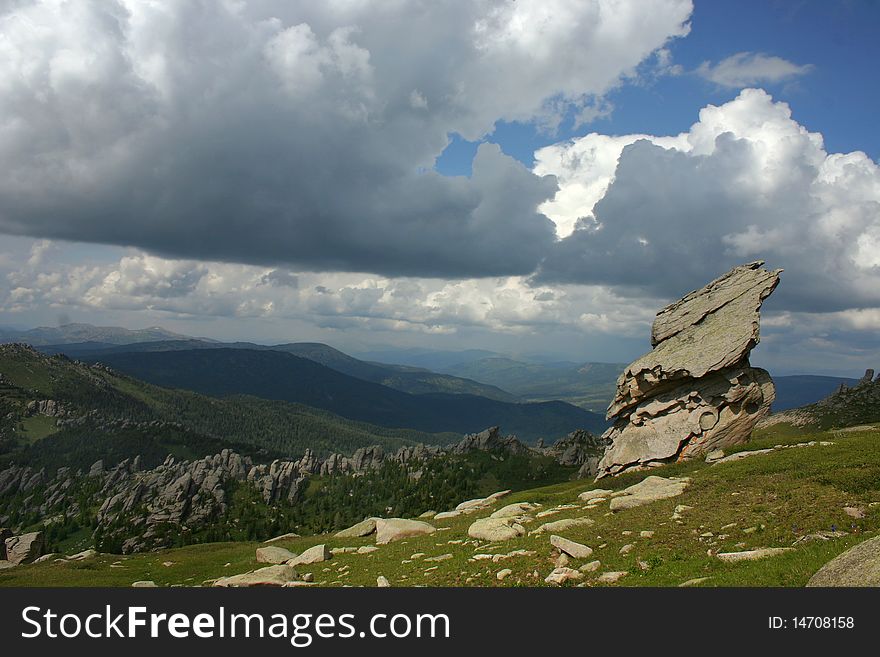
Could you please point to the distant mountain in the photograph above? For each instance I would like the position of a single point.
(431, 359)
(55, 411)
(284, 376)
(802, 389)
(86, 334)
(399, 377)
(588, 385)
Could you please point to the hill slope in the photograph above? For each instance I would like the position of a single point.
(283, 376)
(65, 408)
(405, 379)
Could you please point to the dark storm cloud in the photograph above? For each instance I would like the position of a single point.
(298, 134)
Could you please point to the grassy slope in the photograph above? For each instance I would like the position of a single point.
(785, 494)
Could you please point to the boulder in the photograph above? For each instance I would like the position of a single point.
(588, 495)
(752, 555)
(315, 554)
(496, 529)
(394, 529)
(612, 576)
(24, 548)
(274, 555)
(562, 575)
(572, 549)
(858, 566)
(144, 584)
(514, 510)
(269, 576)
(650, 489)
(363, 528)
(562, 525)
(382, 582)
(695, 392)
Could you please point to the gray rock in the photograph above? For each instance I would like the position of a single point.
(363, 528)
(858, 566)
(496, 529)
(572, 549)
(695, 391)
(268, 576)
(395, 529)
(650, 489)
(752, 555)
(25, 548)
(274, 555)
(315, 554)
(561, 575)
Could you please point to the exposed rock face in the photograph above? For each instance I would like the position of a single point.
(695, 391)
(25, 548)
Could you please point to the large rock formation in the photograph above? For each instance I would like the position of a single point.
(695, 391)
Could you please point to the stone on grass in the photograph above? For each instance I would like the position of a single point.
(858, 566)
(588, 495)
(382, 582)
(274, 555)
(269, 576)
(394, 529)
(650, 489)
(572, 549)
(496, 529)
(144, 584)
(563, 525)
(752, 555)
(283, 537)
(591, 567)
(501, 574)
(612, 576)
(315, 554)
(562, 575)
(366, 549)
(363, 528)
(514, 510)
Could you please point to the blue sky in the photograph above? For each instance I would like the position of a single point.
(839, 96)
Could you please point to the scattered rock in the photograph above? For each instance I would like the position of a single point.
(626, 549)
(563, 525)
(751, 555)
(269, 576)
(514, 510)
(496, 529)
(646, 534)
(444, 515)
(315, 554)
(274, 555)
(591, 567)
(441, 557)
(650, 489)
(394, 529)
(501, 574)
(693, 582)
(572, 549)
(144, 584)
(82, 556)
(612, 576)
(856, 512)
(366, 549)
(562, 575)
(588, 495)
(363, 528)
(382, 582)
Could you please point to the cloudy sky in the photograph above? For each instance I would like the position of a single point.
(534, 177)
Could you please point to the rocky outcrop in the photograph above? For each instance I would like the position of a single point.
(858, 566)
(695, 391)
(25, 548)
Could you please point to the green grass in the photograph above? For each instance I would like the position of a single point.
(37, 427)
(782, 495)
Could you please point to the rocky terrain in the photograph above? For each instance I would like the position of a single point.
(847, 406)
(141, 509)
(695, 391)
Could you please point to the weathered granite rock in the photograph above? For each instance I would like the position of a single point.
(562, 575)
(268, 576)
(695, 391)
(25, 548)
(572, 549)
(650, 489)
(315, 554)
(752, 555)
(515, 510)
(363, 528)
(496, 529)
(274, 555)
(394, 529)
(562, 525)
(858, 566)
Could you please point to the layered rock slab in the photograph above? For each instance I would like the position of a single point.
(695, 391)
